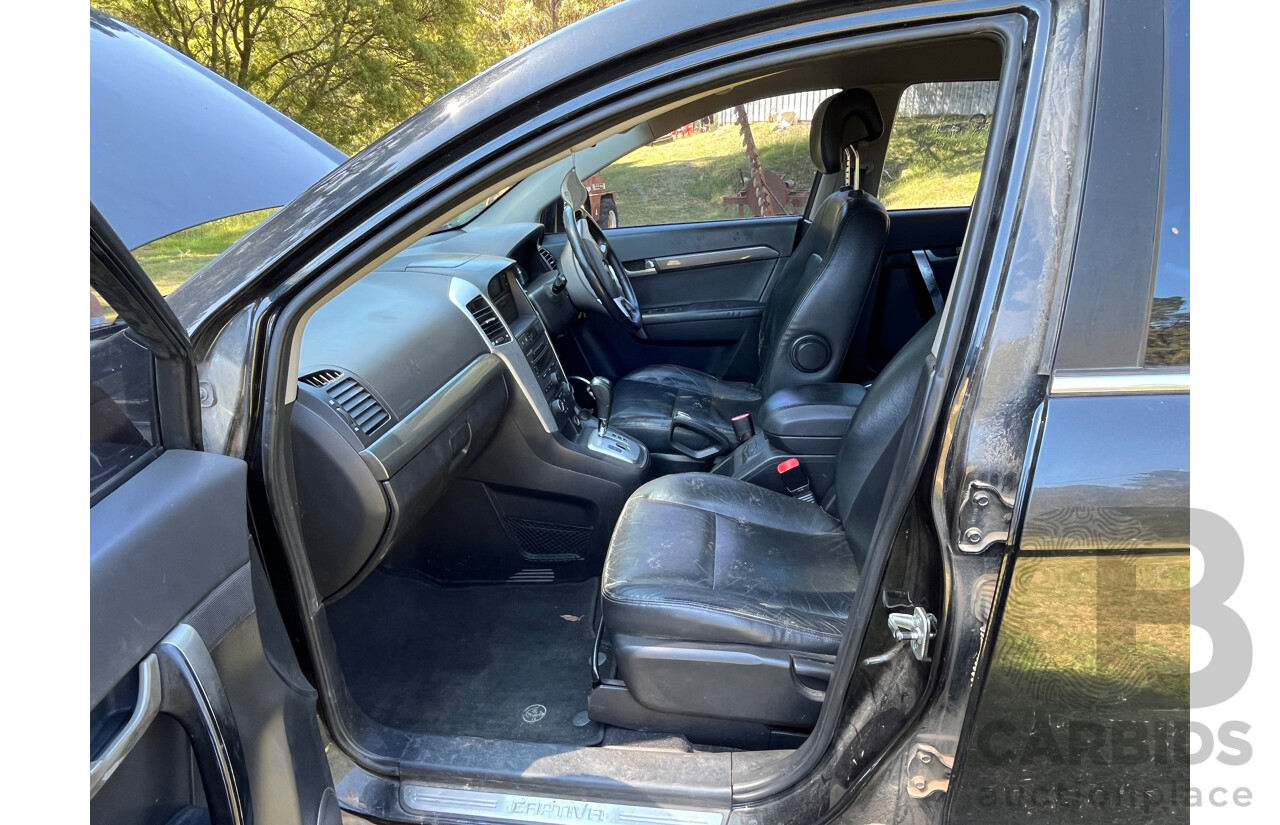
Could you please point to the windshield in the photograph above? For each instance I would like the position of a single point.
(170, 261)
(472, 211)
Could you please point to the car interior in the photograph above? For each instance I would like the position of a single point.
(616, 489)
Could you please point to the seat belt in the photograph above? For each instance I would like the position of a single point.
(925, 269)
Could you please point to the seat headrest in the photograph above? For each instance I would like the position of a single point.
(844, 119)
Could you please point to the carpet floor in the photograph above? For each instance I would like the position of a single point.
(495, 661)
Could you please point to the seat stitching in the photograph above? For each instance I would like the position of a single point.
(728, 611)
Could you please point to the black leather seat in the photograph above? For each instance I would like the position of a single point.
(810, 314)
(717, 592)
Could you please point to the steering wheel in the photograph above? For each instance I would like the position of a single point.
(601, 268)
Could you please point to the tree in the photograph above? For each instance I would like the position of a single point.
(504, 27)
(348, 70)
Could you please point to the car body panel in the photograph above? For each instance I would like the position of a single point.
(995, 351)
(198, 708)
(173, 145)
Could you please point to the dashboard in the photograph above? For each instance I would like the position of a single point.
(406, 376)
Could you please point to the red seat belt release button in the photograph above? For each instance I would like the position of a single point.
(796, 480)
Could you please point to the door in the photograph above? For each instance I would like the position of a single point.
(199, 711)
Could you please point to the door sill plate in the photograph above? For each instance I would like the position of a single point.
(484, 806)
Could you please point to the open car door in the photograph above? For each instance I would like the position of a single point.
(198, 709)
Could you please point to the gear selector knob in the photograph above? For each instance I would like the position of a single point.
(601, 390)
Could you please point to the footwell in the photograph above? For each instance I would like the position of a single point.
(495, 661)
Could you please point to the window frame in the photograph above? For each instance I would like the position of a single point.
(1105, 311)
(149, 321)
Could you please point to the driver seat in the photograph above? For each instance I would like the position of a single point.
(809, 315)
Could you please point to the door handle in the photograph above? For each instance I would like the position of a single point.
(649, 269)
(144, 713)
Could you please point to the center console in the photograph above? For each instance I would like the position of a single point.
(489, 290)
(807, 423)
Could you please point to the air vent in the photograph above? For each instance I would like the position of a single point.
(488, 320)
(364, 412)
(320, 377)
(549, 258)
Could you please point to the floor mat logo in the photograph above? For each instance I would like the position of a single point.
(534, 713)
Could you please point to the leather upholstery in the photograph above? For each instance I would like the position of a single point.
(822, 288)
(646, 400)
(818, 294)
(708, 558)
(709, 561)
(813, 411)
(845, 119)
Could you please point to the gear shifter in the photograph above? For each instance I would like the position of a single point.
(601, 390)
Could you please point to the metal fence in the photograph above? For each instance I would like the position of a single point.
(971, 98)
(974, 98)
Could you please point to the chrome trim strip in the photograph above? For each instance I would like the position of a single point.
(144, 713)
(1120, 383)
(394, 448)
(483, 806)
(720, 256)
(196, 698)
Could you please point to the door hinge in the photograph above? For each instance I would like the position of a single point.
(918, 627)
(986, 517)
(929, 771)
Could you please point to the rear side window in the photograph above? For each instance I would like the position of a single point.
(122, 406)
(936, 145)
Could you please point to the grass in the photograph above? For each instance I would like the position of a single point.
(171, 260)
(933, 161)
(1123, 621)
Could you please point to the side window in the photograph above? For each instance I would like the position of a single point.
(170, 261)
(122, 404)
(741, 162)
(1169, 325)
(936, 145)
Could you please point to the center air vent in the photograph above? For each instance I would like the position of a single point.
(358, 404)
(549, 258)
(488, 320)
(320, 377)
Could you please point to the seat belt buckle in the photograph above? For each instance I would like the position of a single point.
(796, 480)
(742, 427)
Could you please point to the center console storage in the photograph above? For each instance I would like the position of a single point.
(807, 423)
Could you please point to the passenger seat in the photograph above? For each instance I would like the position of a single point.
(720, 595)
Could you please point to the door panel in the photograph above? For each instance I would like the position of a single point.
(1085, 708)
(198, 710)
(138, 536)
(741, 277)
(172, 579)
(762, 244)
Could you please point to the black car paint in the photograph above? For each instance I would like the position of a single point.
(1094, 725)
(769, 780)
(1000, 350)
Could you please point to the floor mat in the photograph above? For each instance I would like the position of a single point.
(495, 661)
